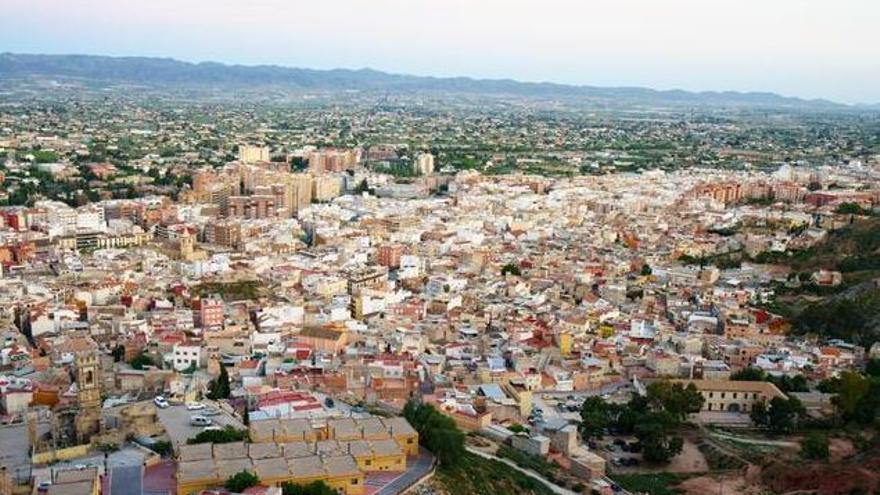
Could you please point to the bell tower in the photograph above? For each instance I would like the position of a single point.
(88, 419)
(187, 246)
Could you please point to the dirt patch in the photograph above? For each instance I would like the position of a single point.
(691, 460)
(840, 448)
(824, 479)
(732, 484)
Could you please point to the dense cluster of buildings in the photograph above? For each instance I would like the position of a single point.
(499, 301)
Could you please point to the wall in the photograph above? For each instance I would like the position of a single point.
(60, 454)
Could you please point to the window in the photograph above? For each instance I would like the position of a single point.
(722, 394)
(734, 395)
(354, 481)
(711, 395)
(409, 441)
(710, 406)
(368, 462)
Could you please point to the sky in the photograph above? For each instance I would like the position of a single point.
(806, 48)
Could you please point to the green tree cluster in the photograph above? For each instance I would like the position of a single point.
(219, 387)
(780, 415)
(241, 481)
(652, 419)
(510, 268)
(437, 432)
(814, 447)
(141, 360)
(857, 398)
(226, 435)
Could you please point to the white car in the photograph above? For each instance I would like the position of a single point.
(194, 406)
(160, 402)
(200, 421)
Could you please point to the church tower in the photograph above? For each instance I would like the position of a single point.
(187, 246)
(88, 419)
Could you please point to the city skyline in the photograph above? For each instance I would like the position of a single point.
(803, 49)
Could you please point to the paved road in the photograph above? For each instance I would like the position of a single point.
(753, 441)
(417, 468)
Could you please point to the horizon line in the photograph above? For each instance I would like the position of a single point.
(855, 105)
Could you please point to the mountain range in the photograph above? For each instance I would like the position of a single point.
(166, 72)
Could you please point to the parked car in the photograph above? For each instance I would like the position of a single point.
(329, 403)
(200, 421)
(160, 402)
(194, 406)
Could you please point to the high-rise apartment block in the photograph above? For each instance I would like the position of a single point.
(253, 154)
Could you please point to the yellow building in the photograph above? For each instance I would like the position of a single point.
(565, 341)
(338, 452)
(733, 396)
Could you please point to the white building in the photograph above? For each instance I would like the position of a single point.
(186, 356)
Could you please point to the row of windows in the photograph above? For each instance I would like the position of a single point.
(744, 395)
(732, 407)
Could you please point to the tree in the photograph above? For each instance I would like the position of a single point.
(226, 435)
(653, 433)
(437, 432)
(651, 419)
(219, 388)
(595, 417)
(814, 447)
(749, 374)
(318, 487)
(759, 414)
(362, 187)
(676, 399)
(246, 417)
(141, 360)
(872, 368)
(163, 448)
(118, 353)
(646, 270)
(511, 269)
(849, 209)
(241, 481)
(852, 388)
(783, 414)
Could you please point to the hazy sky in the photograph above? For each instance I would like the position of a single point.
(807, 48)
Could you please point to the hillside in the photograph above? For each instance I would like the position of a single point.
(165, 72)
(850, 311)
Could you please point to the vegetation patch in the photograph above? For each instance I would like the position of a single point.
(651, 483)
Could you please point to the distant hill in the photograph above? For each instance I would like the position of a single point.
(164, 72)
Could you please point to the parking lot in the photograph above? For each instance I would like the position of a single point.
(176, 421)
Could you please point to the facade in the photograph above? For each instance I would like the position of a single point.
(211, 313)
(737, 397)
(253, 154)
(88, 381)
(185, 357)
